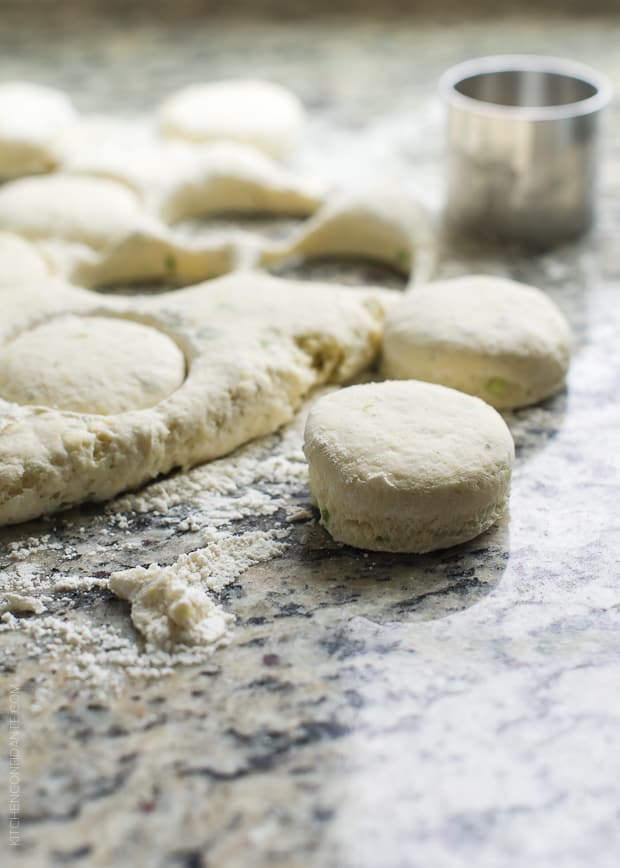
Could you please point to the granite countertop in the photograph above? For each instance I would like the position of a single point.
(371, 711)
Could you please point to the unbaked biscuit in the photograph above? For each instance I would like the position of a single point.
(500, 340)
(407, 466)
(264, 115)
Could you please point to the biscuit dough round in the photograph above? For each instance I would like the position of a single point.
(503, 341)
(407, 466)
(34, 125)
(264, 115)
(94, 364)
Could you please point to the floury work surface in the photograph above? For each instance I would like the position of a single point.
(369, 711)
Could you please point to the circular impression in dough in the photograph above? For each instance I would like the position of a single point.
(407, 466)
(505, 342)
(92, 364)
(34, 123)
(258, 113)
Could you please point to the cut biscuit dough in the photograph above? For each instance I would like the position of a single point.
(381, 224)
(20, 261)
(96, 232)
(407, 466)
(264, 115)
(35, 123)
(179, 181)
(501, 340)
(253, 345)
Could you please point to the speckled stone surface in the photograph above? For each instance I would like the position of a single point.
(371, 711)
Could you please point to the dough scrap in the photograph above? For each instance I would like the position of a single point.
(20, 604)
(35, 122)
(501, 340)
(96, 232)
(93, 364)
(169, 608)
(254, 346)
(20, 261)
(261, 114)
(234, 179)
(179, 181)
(407, 466)
(379, 224)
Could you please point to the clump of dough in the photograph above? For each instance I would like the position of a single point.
(407, 466)
(34, 124)
(168, 609)
(262, 114)
(495, 338)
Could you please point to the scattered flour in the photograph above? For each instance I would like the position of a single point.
(169, 605)
(168, 609)
(176, 608)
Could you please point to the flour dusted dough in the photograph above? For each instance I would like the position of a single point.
(505, 342)
(82, 210)
(179, 181)
(34, 124)
(90, 365)
(381, 224)
(20, 261)
(257, 113)
(253, 347)
(234, 179)
(96, 232)
(407, 466)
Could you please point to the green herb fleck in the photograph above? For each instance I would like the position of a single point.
(325, 517)
(170, 263)
(402, 258)
(496, 386)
